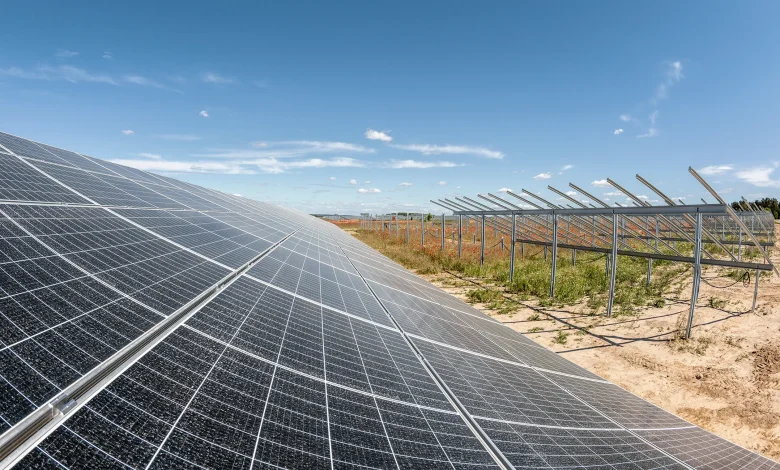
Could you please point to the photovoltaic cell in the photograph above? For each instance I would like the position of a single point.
(20, 182)
(325, 354)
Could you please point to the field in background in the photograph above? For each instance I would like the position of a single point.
(725, 379)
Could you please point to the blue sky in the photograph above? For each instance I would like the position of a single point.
(359, 106)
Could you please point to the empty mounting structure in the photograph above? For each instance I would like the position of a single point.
(715, 234)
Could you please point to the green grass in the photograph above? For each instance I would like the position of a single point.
(586, 281)
(561, 337)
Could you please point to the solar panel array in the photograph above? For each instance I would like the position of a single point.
(318, 352)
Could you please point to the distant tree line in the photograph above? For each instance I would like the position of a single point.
(768, 204)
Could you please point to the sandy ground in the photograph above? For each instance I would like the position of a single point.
(726, 379)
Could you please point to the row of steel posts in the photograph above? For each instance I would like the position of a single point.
(611, 261)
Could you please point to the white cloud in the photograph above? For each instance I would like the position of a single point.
(353, 181)
(503, 190)
(332, 178)
(217, 79)
(185, 167)
(625, 117)
(653, 116)
(675, 71)
(613, 193)
(652, 132)
(678, 197)
(128, 132)
(427, 149)
(442, 183)
(204, 113)
(405, 185)
(272, 165)
(642, 197)
(179, 137)
(143, 81)
(401, 164)
(285, 149)
(65, 54)
(617, 131)
(571, 193)
(310, 146)
(63, 72)
(716, 169)
(543, 176)
(371, 134)
(260, 165)
(366, 182)
(567, 167)
(725, 190)
(760, 176)
(108, 55)
(600, 183)
(153, 156)
(369, 190)
(673, 75)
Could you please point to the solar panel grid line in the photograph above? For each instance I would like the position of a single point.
(60, 183)
(77, 266)
(20, 440)
(90, 185)
(325, 377)
(59, 160)
(270, 389)
(507, 361)
(182, 247)
(31, 146)
(659, 449)
(319, 304)
(475, 315)
(483, 438)
(327, 382)
(371, 388)
(186, 407)
(158, 229)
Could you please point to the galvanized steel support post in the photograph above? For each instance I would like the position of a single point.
(422, 230)
(442, 232)
(407, 228)
(512, 251)
(613, 264)
(460, 235)
(755, 292)
(554, 253)
(482, 241)
(696, 275)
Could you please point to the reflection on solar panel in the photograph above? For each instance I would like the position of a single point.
(150, 323)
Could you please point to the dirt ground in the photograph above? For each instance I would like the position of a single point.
(726, 379)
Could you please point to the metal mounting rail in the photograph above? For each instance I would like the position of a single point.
(658, 256)
(25, 435)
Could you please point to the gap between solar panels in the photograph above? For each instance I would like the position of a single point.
(717, 235)
(25, 435)
(476, 429)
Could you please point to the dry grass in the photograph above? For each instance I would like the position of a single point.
(585, 281)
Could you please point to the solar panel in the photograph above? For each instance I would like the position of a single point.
(169, 325)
